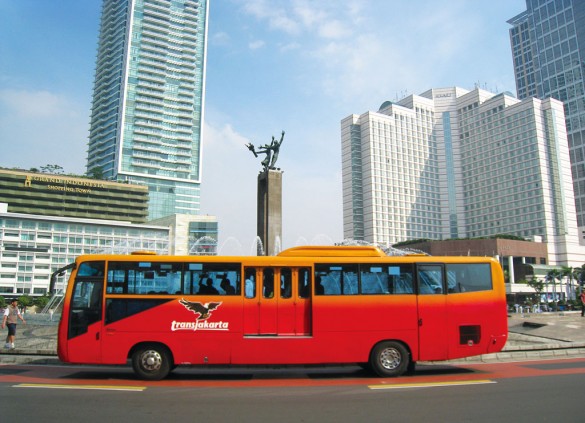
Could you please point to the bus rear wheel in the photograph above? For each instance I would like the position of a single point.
(151, 362)
(389, 359)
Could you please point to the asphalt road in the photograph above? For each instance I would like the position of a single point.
(532, 391)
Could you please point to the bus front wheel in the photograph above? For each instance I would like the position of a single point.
(389, 359)
(151, 362)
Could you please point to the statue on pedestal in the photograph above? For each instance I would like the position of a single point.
(271, 150)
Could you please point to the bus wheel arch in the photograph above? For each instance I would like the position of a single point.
(151, 360)
(390, 358)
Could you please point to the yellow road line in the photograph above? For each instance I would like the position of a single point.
(80, 387)
(431, 384)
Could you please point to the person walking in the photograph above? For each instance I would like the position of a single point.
(582, 302)
(11, 316)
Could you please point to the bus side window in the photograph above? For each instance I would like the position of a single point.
(329, 278)
(250, 282)
(430, 279)
(468, 277)
(374, 280)
(304, 283)
(268, 283)
(400, 279)
(338, 279)
(285, 282)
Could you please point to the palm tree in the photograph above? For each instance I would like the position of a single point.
(580, 274)
(551, 277)
(538, 286)
(568, 272)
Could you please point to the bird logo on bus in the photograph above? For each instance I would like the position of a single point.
(203, 310)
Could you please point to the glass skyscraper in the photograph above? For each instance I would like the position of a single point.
(147, 112)
(548, 48)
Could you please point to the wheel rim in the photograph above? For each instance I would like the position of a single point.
(390, 358)
(151, 360)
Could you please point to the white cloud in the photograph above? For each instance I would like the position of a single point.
(308, 15)
(275, 16)
(255, 45)
(220, 38)
(289, 46)
(334, 30)
(32, 104)
(38, 128)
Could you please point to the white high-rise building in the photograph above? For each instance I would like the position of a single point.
(147, 112)
(452, 163)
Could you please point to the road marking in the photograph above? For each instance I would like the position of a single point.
(431, 384)
(87, 387)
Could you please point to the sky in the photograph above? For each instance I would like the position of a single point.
(295, 65)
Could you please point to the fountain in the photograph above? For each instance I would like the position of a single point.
(257, 247)
(231, 244)
(388, 249)
(204, 246)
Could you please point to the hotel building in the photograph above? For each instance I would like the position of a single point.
(452, 163)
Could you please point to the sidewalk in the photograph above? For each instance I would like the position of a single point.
(531, 337)
(36, 342)
(535, 336)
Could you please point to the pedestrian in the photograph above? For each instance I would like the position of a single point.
(582, 302)
(11, 316)
(51, 311)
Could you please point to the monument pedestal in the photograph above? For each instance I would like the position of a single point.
(269, 213)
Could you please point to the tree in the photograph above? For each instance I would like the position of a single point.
(49, 168)
(25, 301)
(551, 277)
(41, 302)
(580, 275)
(96, 173)
(2, 302)
(538, 286)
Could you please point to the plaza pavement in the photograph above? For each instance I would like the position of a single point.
(531, 337)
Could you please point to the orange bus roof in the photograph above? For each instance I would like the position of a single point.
(333, 251)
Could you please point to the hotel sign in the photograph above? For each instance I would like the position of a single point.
(75, 186)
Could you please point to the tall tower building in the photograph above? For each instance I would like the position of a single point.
(548, 48)
(147, 112)
(452, 163)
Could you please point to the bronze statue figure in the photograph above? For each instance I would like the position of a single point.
(271, 150)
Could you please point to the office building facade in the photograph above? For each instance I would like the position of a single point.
(147, 111)
(69, 196)
(33, 246)
(548, 49)
(452, 163)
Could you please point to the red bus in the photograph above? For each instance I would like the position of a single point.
(307, 305)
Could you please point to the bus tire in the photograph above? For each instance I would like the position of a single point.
(151, 362)
(389, 359)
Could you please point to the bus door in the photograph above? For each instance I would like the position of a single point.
(260, 306)
(293, 304)
(274, 304)
(285, 303)
(302, 298)
(432, 312)
(85, 314)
